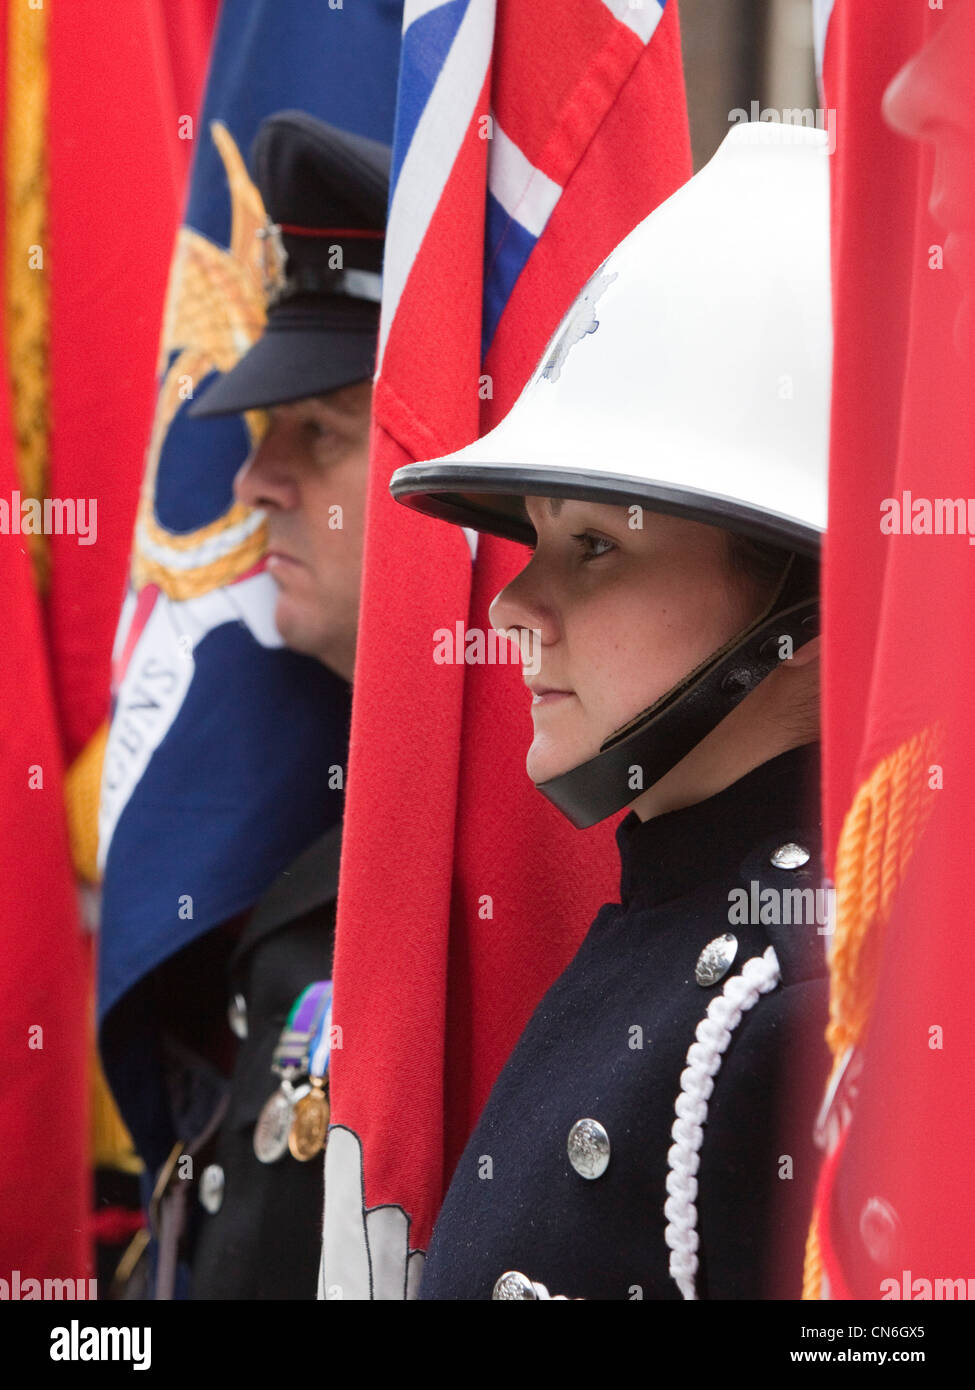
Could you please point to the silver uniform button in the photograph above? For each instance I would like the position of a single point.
(237, 1016)
(514, 1285)
(211, 1188)
(880, 1230)
(716, 960)
(588, 1148)
(790, 856)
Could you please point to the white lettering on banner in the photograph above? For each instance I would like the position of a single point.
(158, 675)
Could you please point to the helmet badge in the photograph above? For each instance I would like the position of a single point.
(581, 321)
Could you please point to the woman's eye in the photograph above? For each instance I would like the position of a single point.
(593, 546)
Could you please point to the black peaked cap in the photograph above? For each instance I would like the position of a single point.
(323, 187)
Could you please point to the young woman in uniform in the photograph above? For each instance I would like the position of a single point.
(651, 1135)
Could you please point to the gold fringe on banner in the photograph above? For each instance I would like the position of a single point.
(879, 835)
(26, 270)
(82, 788)
(110, 1143)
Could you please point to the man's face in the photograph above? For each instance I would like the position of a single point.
(931, 99)
(308, 474)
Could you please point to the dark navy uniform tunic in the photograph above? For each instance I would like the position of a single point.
(609, 1042)
(262, 1239)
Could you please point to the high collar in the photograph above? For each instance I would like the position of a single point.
(667, 856)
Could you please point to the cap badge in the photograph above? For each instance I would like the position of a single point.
(274, 260)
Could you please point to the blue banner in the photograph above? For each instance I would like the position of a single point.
(226, 752)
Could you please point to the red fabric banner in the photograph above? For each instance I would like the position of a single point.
(899, 614)
(119, 80)
(118, 171)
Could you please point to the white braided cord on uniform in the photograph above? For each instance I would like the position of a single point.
(713, 1034)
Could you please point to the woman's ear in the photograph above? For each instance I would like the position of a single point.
(806, 654)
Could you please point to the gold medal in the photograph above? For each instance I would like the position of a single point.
(309, 1123)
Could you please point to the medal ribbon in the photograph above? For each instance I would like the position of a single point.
(321, 1046)
(304, 1023)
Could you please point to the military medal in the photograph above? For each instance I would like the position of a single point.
(309, 1125)
(272, 1133)
(274, 1125)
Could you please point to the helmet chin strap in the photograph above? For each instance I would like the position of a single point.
(657, 740)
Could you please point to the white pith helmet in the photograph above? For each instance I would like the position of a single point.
(691, 374)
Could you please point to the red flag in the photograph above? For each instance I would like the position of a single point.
(118, 172)
(43, 982)
(900, 677)
(105, 193)
(528, 144)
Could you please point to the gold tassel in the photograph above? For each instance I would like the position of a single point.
(880, 832)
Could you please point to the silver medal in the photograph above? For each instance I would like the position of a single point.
(274, 1122)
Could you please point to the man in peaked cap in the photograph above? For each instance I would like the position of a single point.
(252, 1228)
(326, 193)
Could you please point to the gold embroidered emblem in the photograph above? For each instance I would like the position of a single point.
(214, 312)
